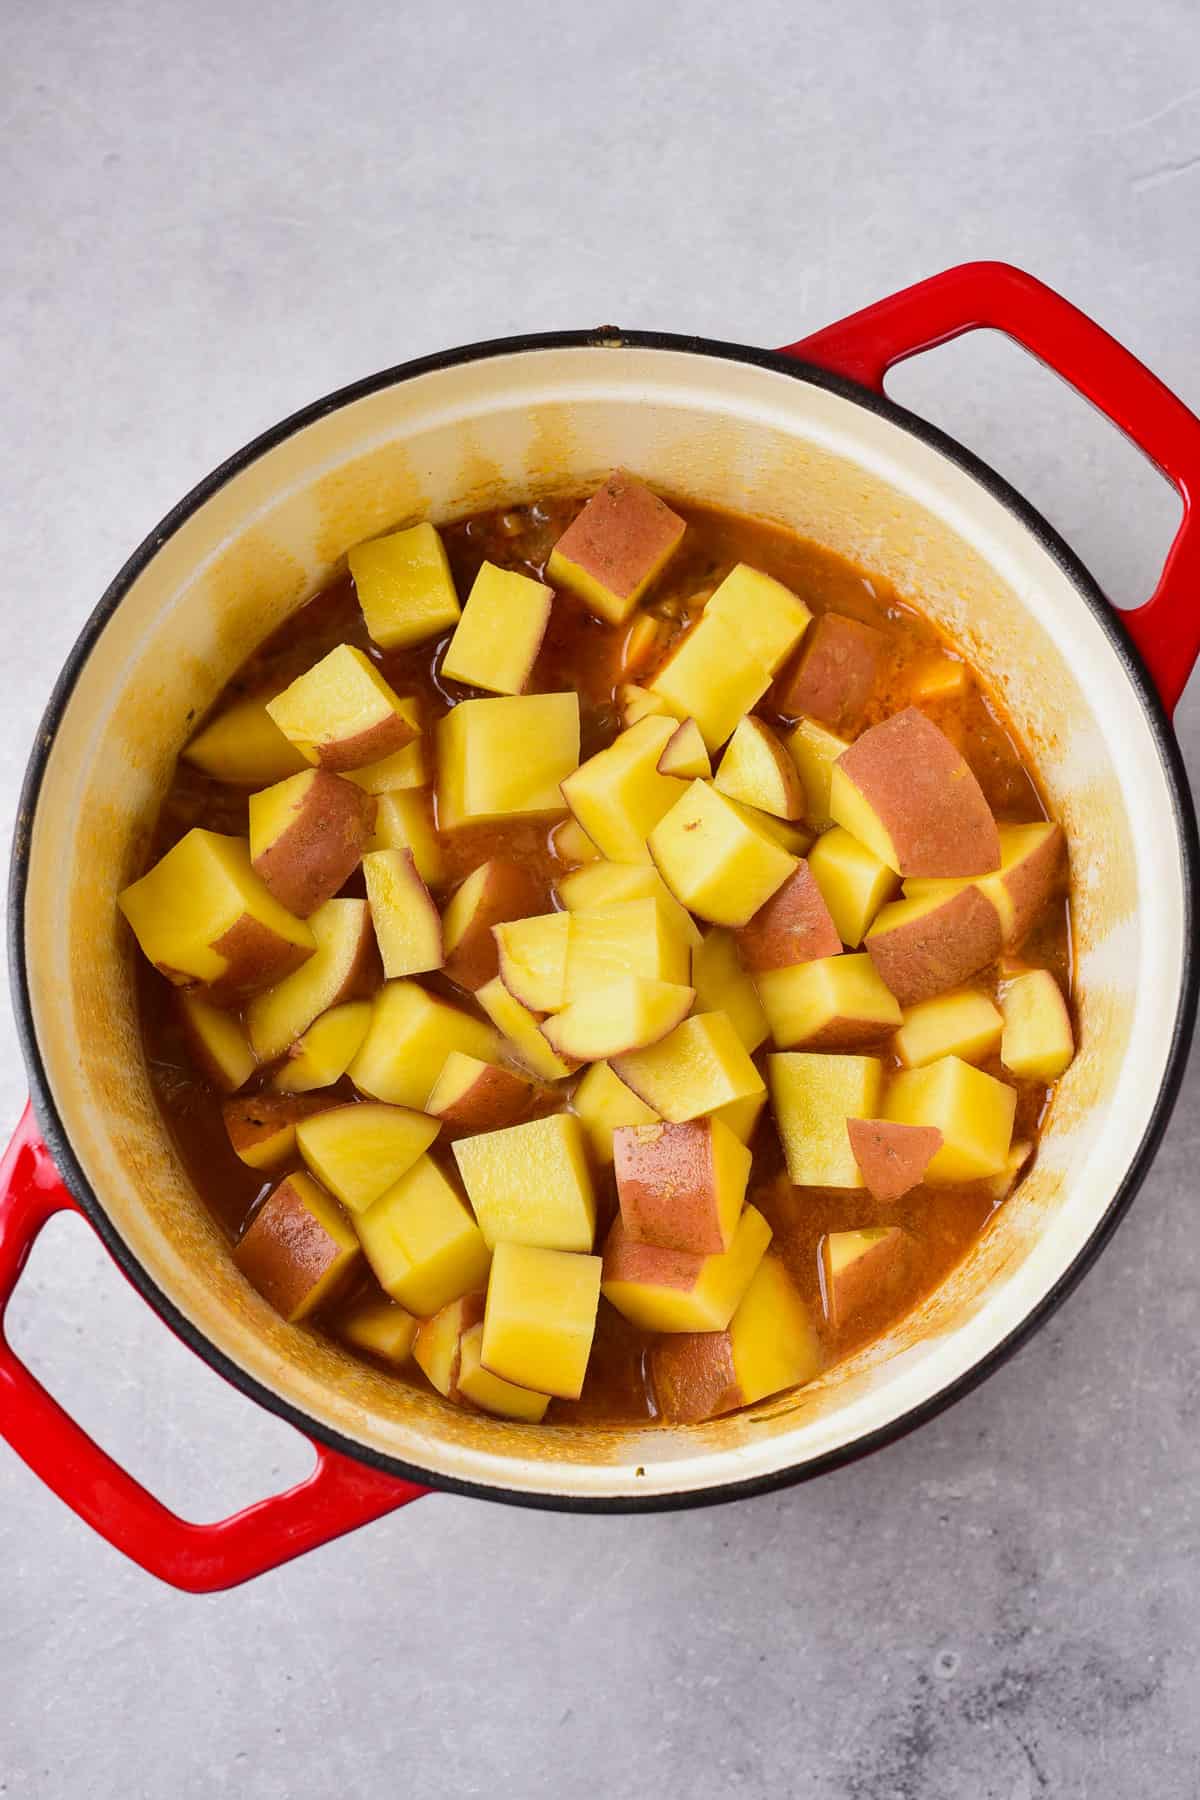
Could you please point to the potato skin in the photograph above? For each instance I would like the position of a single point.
(940, 950)
(793, 926)
(835, 674)
(693, 1376)
(317, 853)
(893, 1157)
(926, 797)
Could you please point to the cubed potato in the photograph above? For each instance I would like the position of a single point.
(684, 755)
(404, 586)
(742, 1116)
(813, 1096)
(767, 616)
(403, 769)
(834, 1003)
(262, 1127)
(491, 1393)
(408, 926)
(722, 985)
(307, 836)
(244, 746)
(572, 843)
(506, 758)
(904, 791)
(541, 1318)
(218, 1043)
(673, 1290)
(410, 1036)
(698, 1067)
(438, 1344)
(360, 1149)
(854, 883)
(470, 1096)
(497, 639)
(643, 643)
(494, 893)
(939, 678)
(618, 795)
(973, 1111)
(379, 1327)
(626, 937)
(404, 821)
(1032, 868)
(758, 770)
(938, 940)
(712, 677)
(297, 1249)
(202, 916)
(611, 552)
(626, 1014)
(605, 883)
(533, 959)
(863, 1268)
(770, 1344)
(999, 1187)
(1038, 1043)
(342, 714)
(965, 1024)
(834, 677)
(344, 966)
(681, 1187)
(893, 1158)
(793, 926)
(716, 858)
(814, 752)
(601, 1103)
(522, 1029)
(795, 839)
(323, 1053)
(531, 1184)
(635, 703)
(421, 1241)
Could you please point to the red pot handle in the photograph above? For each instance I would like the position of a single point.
(1166, 628)
(338, 1496)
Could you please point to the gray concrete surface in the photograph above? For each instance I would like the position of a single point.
(208, 215)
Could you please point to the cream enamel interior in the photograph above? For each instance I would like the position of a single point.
(441, 444)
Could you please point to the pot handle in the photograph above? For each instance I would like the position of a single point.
(864, 346)
(339, 1495)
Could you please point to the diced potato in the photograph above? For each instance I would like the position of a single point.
(834, 1003)
(322, 1054)
(601, 1103)
(618, 795)
(627, 937)
(506, 758)
(522, 1028)
(671, 1290)
(438, 1343)
(605, 883)
(470, 1095)
(218, 1043)
(262, 1127)
(853, 882)
(715, 858)
(533, 959)
(497, 639)
(410, 1036)
(940, 678)
(793, 926)
(541, 1317)
(406, 768)
(643, 641)
(698, 1067)
(904, 791)
(861, 1268)
(771, 1343)
(421, 1241)
(491, 1393)
(201, 915)
(1038, 1042)
(404, 586)
(1032, 865)
(360, 1149)
(795, 839)
(307, 836)
(572, 843)
(973, 1111)
(244, 746)
(722, 985)
(531, 1184)
(742, 1116)
(381, 1328)
(637, 703)
(626, 1014)
(814, 752)
(681, 1187)
(964, 1024)
(684, 755)
(404, 821)
(933, 942)
(999, 1187)
(767, 616)
(344, 966)
(893, 1158)
(835, 674)
(612, 551)
(712, 677)
(757, 770)
(407, 924)
(813, 1096)
(494, 893)
(342, 714)
(297, 1249)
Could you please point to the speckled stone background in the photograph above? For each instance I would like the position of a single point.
(210, 214)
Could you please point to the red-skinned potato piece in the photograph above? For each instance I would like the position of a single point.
(262, 1127)
(218, 1043)
(471, 1096)
(835, 673)
(437, 1345)
(307, 836)
(924, 946)
(893, 1158)
(497, 892)
(906, 792)
(681, 1186)
(298, 1248)
(614, 548)
(794, 926)
(770, 1344)
(861, 1268)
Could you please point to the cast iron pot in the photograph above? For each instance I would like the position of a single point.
(803, 436)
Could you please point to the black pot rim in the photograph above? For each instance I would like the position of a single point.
(997, 488)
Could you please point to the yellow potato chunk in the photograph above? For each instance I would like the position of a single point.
(681, 1187)
(767, 616)
(410, 1036)
(973, 1111)
(343, 966)
(643, 640)
(404, 821)
(408, 926)
(530, 1184)
(941, 678)
(541, 1317)
(491, 1393)
(741, 1116)
(716, 858)
(722, 985)
(613, 550)
(684, 755)
(860, 1268)
(771, 1343)
(572, 843)
(404, 586)
(533, 959)
(506, 758)
(854, 883)
(757, 770)
(601, 1103)
(522, 1028)
(675, 1290)
(244, 746)
(342, 714)
(813, 1095)
(814, 750)
(262, 1127)
(1032, 860)
(307, 836)
(359, 1150)
(437, 1345)
(298, 1248)
(618, 795)
(381, 1328)
(470, 1095)
(404, 768)
(421, 1241)
(962, 1024)
(496, 642)
(629, 1012)
(1038, 1042)
(638, 703)
(700, 1066)
(325, 1051)
(713, 677)
(218, 1041)
(832, 1003)
(628, 937)
(605, 883)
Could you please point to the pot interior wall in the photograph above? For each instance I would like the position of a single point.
(444, 443)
